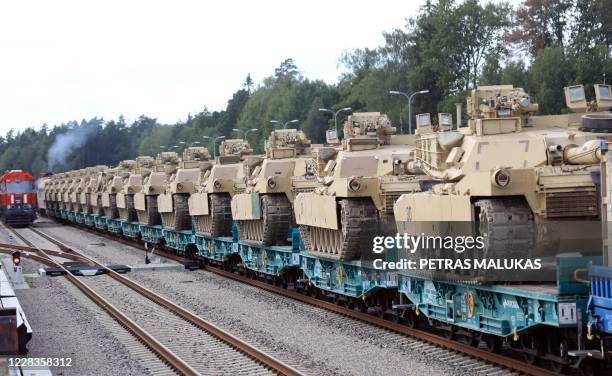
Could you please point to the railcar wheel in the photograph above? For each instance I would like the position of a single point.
(411, 319)
(556, 367)
(359, 306)
(492, 343)
(449, 333)
(589, 368)
(469, 338)
(314, 292)
(558, 347)
(531, 348)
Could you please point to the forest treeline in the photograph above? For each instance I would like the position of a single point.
(448, 48)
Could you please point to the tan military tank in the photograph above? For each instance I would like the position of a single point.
(72, 182)
(263, 211)
(173, 202)
(114, 182)
(51, 188)
(57, 192)
(210, 206)
(527, 183)
(132, 183)
(75, 197)
(98, 185)
(48, 187)
(50, 191)
(88, 186)
(79, 184)
(64, 195)
(359, 184)
(78, 195)
(154, 183)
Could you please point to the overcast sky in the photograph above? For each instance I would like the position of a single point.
(63, 60)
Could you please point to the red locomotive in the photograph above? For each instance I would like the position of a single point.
(18, 203)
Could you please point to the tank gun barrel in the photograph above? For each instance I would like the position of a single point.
(588, 153)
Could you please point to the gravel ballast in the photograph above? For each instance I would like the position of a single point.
(299, 334)
(66, 325)
(102, 249)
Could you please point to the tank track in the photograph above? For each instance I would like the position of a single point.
(150, 216)
(99, 208)
(87, 209)
(179, 219)
(111, 212)
(509, 231)
(358, 221)
(273, 227)
(508, 224)
(128, 213)
(219, 222)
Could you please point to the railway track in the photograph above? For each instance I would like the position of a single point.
(184, 342)
(464, 356)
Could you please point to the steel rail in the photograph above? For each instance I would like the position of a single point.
(66, 255)
(149, 341)
(494, 358)
(245, 348)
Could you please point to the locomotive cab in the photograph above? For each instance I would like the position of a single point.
(18, 201)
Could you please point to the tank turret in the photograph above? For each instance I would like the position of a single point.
(263, 212)
(173, 203)
(114, 183)
(528, 183)
(85, 189)
(357, 186)
(210, 206)
(132, 182)
(154, 183)
(367, 130)
(234, 148)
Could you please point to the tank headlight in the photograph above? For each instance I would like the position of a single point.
(113, 190)
(217, 184)
(271, 183)
(151, 189)
(179, 186)
(354, 185)
(501, 178)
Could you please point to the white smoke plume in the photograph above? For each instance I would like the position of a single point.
(65, 143)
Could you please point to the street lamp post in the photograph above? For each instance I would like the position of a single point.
(335, 114)
(206, 138)
(409, 98)
(236, 130)
(215, 146)
(246, 133)
(285, 124)
(183, 145)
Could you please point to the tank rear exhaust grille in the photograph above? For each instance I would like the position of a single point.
(571, 204)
